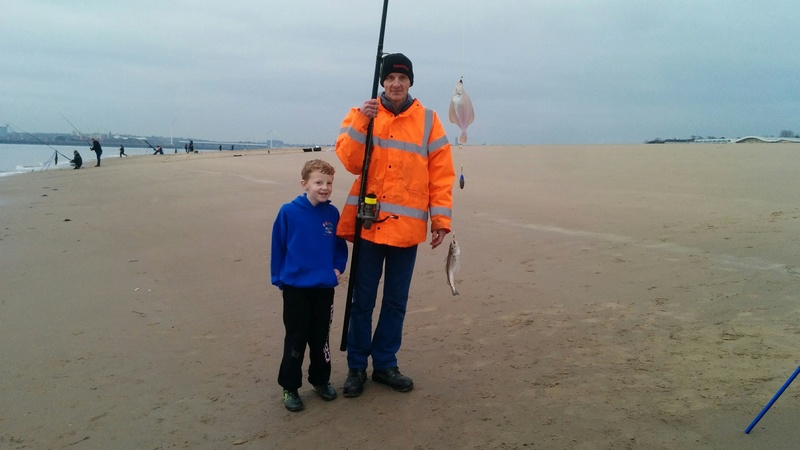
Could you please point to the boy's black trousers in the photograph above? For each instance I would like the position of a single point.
(307, 316)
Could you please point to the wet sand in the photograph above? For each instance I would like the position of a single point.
(641, 296)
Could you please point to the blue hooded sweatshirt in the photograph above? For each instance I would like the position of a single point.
(305, 248)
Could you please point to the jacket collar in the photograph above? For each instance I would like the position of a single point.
(403, 107)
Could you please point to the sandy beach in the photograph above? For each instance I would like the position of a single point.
(637, 296)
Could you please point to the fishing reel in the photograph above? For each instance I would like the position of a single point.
(368, 210)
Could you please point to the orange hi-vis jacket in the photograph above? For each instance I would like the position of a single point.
(411, 172)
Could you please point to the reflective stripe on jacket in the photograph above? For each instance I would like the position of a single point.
(411, 172)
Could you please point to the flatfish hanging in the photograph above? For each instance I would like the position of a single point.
(461, 112)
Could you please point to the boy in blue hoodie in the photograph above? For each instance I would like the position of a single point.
(306, 262)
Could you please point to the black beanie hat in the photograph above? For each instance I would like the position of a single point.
(397, 63)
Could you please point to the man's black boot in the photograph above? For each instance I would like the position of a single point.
(393, 378)
(354, 384)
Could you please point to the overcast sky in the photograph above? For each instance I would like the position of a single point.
(538, 72)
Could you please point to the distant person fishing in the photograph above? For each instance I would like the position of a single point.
(97, 149)
(76, 160)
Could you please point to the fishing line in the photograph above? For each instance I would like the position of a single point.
(463, 69)
(463, 42)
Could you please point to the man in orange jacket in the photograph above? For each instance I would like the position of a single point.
(411, 173)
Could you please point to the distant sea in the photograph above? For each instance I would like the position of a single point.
(22, 158)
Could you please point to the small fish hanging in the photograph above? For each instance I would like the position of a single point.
(452, 264)
(461, 178)
(461, 112)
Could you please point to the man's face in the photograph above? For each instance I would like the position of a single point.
(396, 86)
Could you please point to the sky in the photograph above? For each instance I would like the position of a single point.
(537, 71)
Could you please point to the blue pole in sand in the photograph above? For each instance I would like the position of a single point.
(774, 398)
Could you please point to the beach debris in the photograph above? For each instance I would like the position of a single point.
(461, 112)
(453, 263)
(79, 441)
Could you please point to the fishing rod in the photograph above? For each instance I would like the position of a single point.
(363, 188)
(151, 146)
(54, 156)
(73, 127)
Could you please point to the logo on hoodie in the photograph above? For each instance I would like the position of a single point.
(327, 228)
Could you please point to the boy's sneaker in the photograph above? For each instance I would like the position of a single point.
(292, 401)
(326, 391)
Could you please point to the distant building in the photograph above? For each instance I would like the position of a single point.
(761, 140)
(713, 141)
